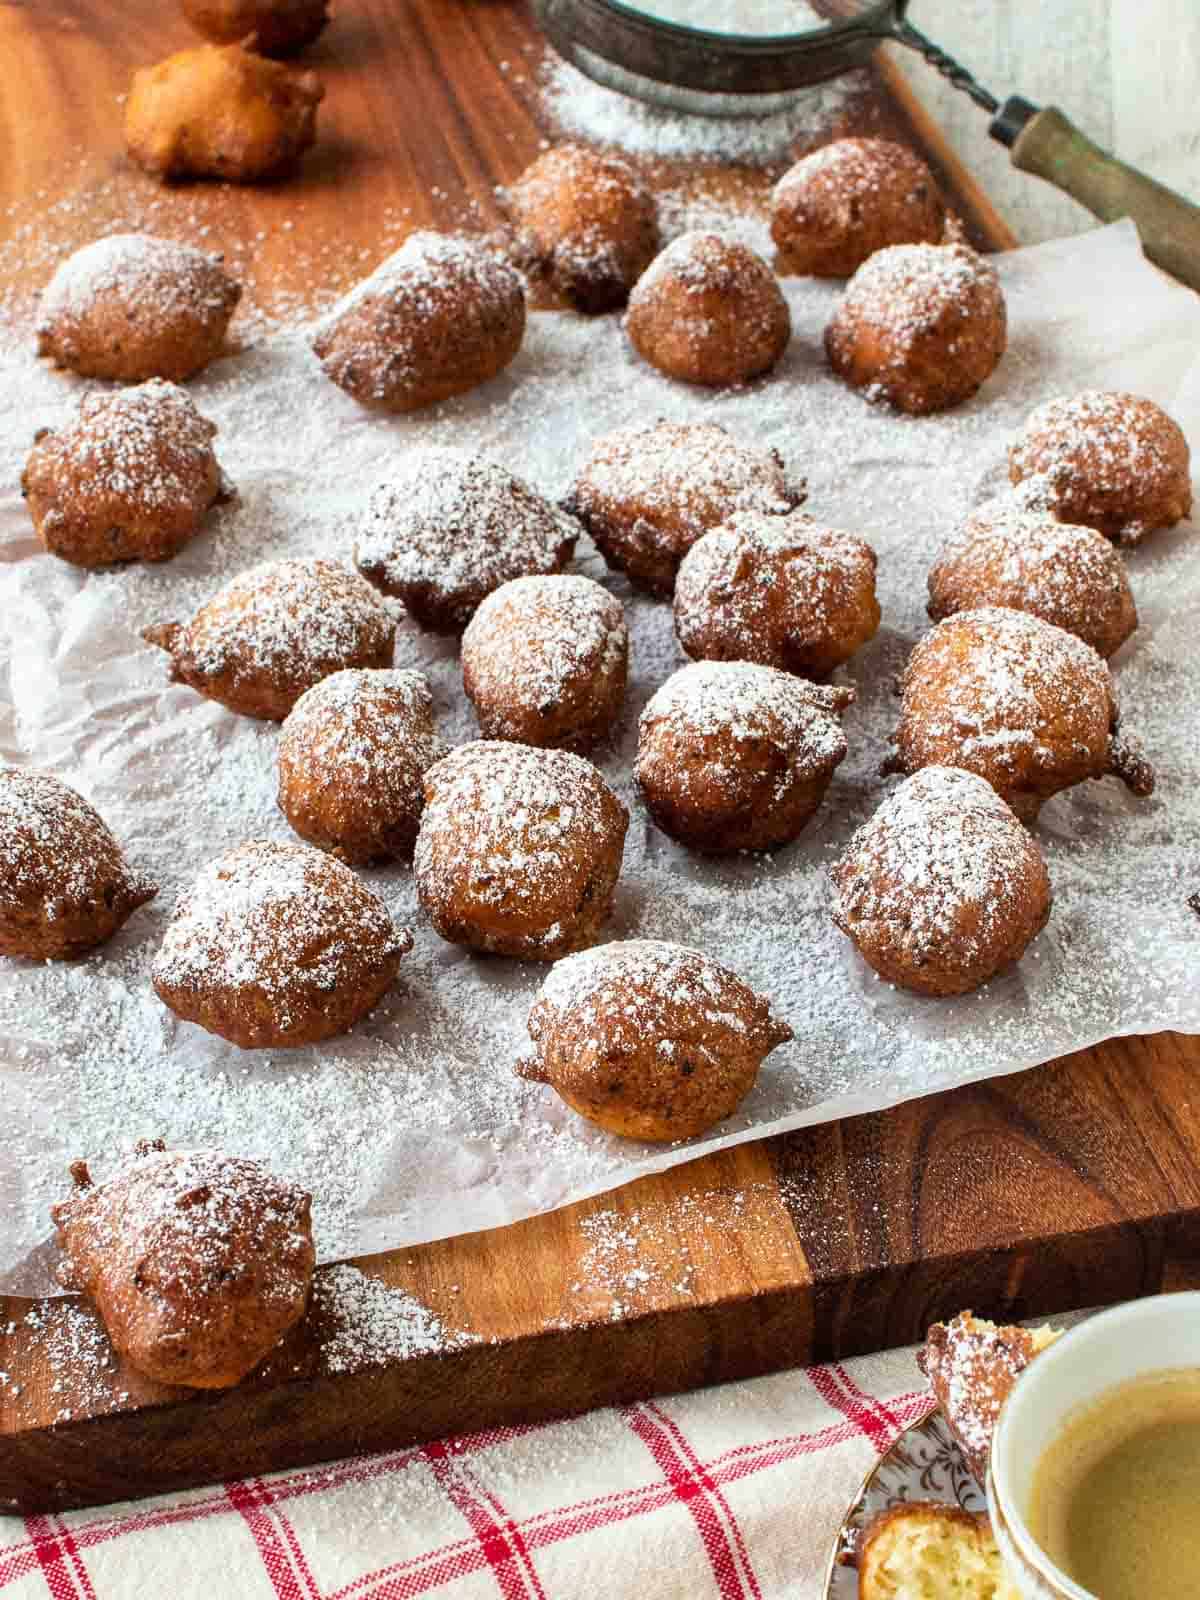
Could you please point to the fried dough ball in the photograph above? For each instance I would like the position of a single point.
(920, 326)
(943, 887)
(1067, 575)
(519, 850)
(131, 307)
(198, 1262)
(842, 203)
(1114, 462)
(782, 591)
(544, 662)
(446, 528)
(273, 632)
(1024, 704)
(131, 479)
(438, 318)
(649, 1040)
(270, 27)
(588, 222)
(219, 111)
(353, 754)
(735, 756)
(276, 945)
(709, 311)
(647, 494)
(65, 884)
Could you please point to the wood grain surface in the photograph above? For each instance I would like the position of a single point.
(1066, 1186)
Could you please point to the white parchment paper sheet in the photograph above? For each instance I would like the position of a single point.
(413, 1127)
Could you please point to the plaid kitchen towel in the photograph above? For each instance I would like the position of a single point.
(733, 1493)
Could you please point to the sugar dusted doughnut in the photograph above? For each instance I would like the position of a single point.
(544, 662)
(132, 307)
(709, 311)
(920, 326)
(735, 756)
(843, 202)
(198, 1262)
(943, 887)
(519, 850)
(274, 632)
(65, 883)
(132, 478)
(1114, 462)
(650, 1040)
(647, 494)
(277, 945)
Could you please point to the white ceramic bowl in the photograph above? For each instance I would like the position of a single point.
(1130, 1341)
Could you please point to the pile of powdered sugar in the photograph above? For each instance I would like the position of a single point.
(414, 1125)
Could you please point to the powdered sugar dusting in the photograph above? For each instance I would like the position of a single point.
(906, 288)
(56, 852)
(743, 701)
(653, 977)
(553, 631)
(364, 1323)
(163, 278)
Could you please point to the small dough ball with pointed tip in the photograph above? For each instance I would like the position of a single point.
(353, 754)
(446, 528)
(519, 850)
(709, 311)
(270, 27)
(544, 662)
(1024, 704)
(841, 203)
(782, 591)
(131, 307)
(1065, 574)
(649, 1040)
(1111, 461)
(274, 632)
(65, 883)
(647, 494)
(277, 945)
(735, 756)
(219, 111)
(131, 479)
(198, 1262)
(587, 220)
(438, 318)
(920, 326)
(943, 887)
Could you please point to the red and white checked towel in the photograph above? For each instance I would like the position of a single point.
(732, 1493)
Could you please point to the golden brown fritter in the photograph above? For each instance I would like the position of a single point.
(927, 1548)
(1065, 574)
(1024, 704)
(219, 111)
(841, 203)
(782, 591)
(273, 632)
(920, 326)
(647, 494)
(65, 883)
(519, 850)
(709, 311)
(735, 756)
(943, 887)
(649, 1040)
(1114, 462)
(131, 307)
(544, 662)
(276, 945)
(130, 479)
(353, 753)
(587, 221)
(270, 27)
(198, 1262)
(445, 528)
(439, 317)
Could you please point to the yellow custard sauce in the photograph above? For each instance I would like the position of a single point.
(1116, 1497)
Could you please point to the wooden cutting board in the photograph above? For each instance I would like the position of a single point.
(1074, 1184)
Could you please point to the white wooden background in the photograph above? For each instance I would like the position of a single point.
(1127, 72)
